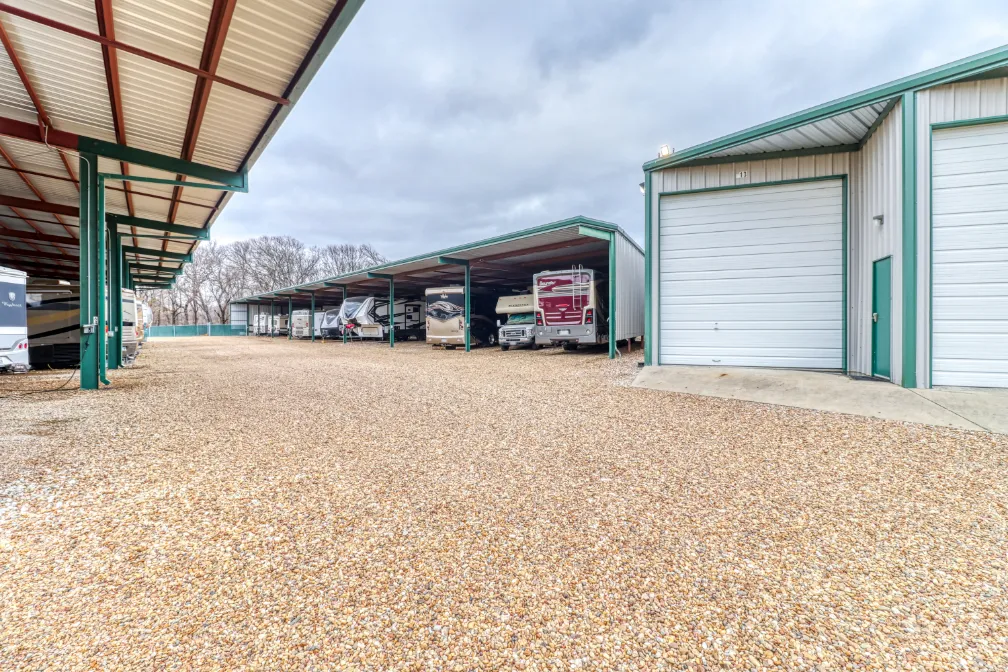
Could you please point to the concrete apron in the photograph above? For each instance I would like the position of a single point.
(975, 409)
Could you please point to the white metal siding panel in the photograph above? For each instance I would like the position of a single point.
(970, 248)
(951, 102)
(875, 189)
(629, 289)
(753, 277)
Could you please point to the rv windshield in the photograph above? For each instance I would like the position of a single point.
(351, 306)
(521, 318)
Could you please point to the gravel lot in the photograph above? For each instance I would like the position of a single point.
(248, 504)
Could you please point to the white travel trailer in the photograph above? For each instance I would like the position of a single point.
(130, 341)
(13, 320)
(519, 326)
(299, 323)
(569, 309)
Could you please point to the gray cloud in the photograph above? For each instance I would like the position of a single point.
(444, 121)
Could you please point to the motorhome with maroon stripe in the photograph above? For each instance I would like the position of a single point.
(569, 310)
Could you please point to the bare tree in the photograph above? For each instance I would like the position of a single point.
(222, 273)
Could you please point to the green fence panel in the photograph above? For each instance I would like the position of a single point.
(180, 330)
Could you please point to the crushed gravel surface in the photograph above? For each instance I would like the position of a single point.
(253, 504)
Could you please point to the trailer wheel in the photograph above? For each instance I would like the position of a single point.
(504, 348)
(570, 347)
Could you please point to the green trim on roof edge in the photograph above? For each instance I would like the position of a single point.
(503, 238)
(960, 69)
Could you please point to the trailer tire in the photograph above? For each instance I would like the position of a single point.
(504, 348)
(570, 347)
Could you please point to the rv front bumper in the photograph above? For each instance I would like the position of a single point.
(575, 333)
(516, 337)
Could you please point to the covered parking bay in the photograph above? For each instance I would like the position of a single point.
(125, 129)
(494, 267)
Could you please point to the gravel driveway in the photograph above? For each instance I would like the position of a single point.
(253, 504)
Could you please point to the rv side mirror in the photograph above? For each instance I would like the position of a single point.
(498, 323)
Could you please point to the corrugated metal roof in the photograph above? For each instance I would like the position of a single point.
(537, 245)
(269, 48)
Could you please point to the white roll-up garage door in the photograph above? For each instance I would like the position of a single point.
(970, 256)
(753, 276)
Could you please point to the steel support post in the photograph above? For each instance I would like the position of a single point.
(102, 285)
(311, 317)
(115, 296)
(612, 297)
(272, 325)
(341, 307)
(391, 312)
(290, 318)
(87, 169)
(468, 311)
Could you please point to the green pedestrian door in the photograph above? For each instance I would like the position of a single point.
(881, 354)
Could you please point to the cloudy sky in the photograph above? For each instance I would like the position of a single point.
(445, 121)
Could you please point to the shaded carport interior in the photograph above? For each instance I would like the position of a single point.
(501, 265)
(164, 95)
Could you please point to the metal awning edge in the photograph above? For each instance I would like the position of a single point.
(960, 69)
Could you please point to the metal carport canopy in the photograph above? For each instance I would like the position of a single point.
(156, 97)
(506, 261)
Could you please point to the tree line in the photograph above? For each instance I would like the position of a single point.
(221, 273)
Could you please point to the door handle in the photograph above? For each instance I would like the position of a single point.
(874, 317)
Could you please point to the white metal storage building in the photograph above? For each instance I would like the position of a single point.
(867, 235)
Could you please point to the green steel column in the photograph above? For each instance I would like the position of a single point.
(468, 306)
(102, 284)
(87, 169)
(115, 295)
(311, 317)
(341, 308)
(272, 318)
(648, 251)
(290, 318)
(612, 296)
(391, 312)
(909, 261)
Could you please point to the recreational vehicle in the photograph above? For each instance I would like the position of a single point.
(129, 326)
(53, 323)
(446, 319)
(280, 325)
(519, 325)
(148, 320)
(367, 317)
(568, 309)
(13, 321)
(299, 323)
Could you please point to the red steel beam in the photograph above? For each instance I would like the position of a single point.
(137, 51)
(30, 90)
(41, 237)
(106, 27)
(35, 133)
(24, 178)
(213, 45)
(334, 15)
(39, 206)
(28, 254)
